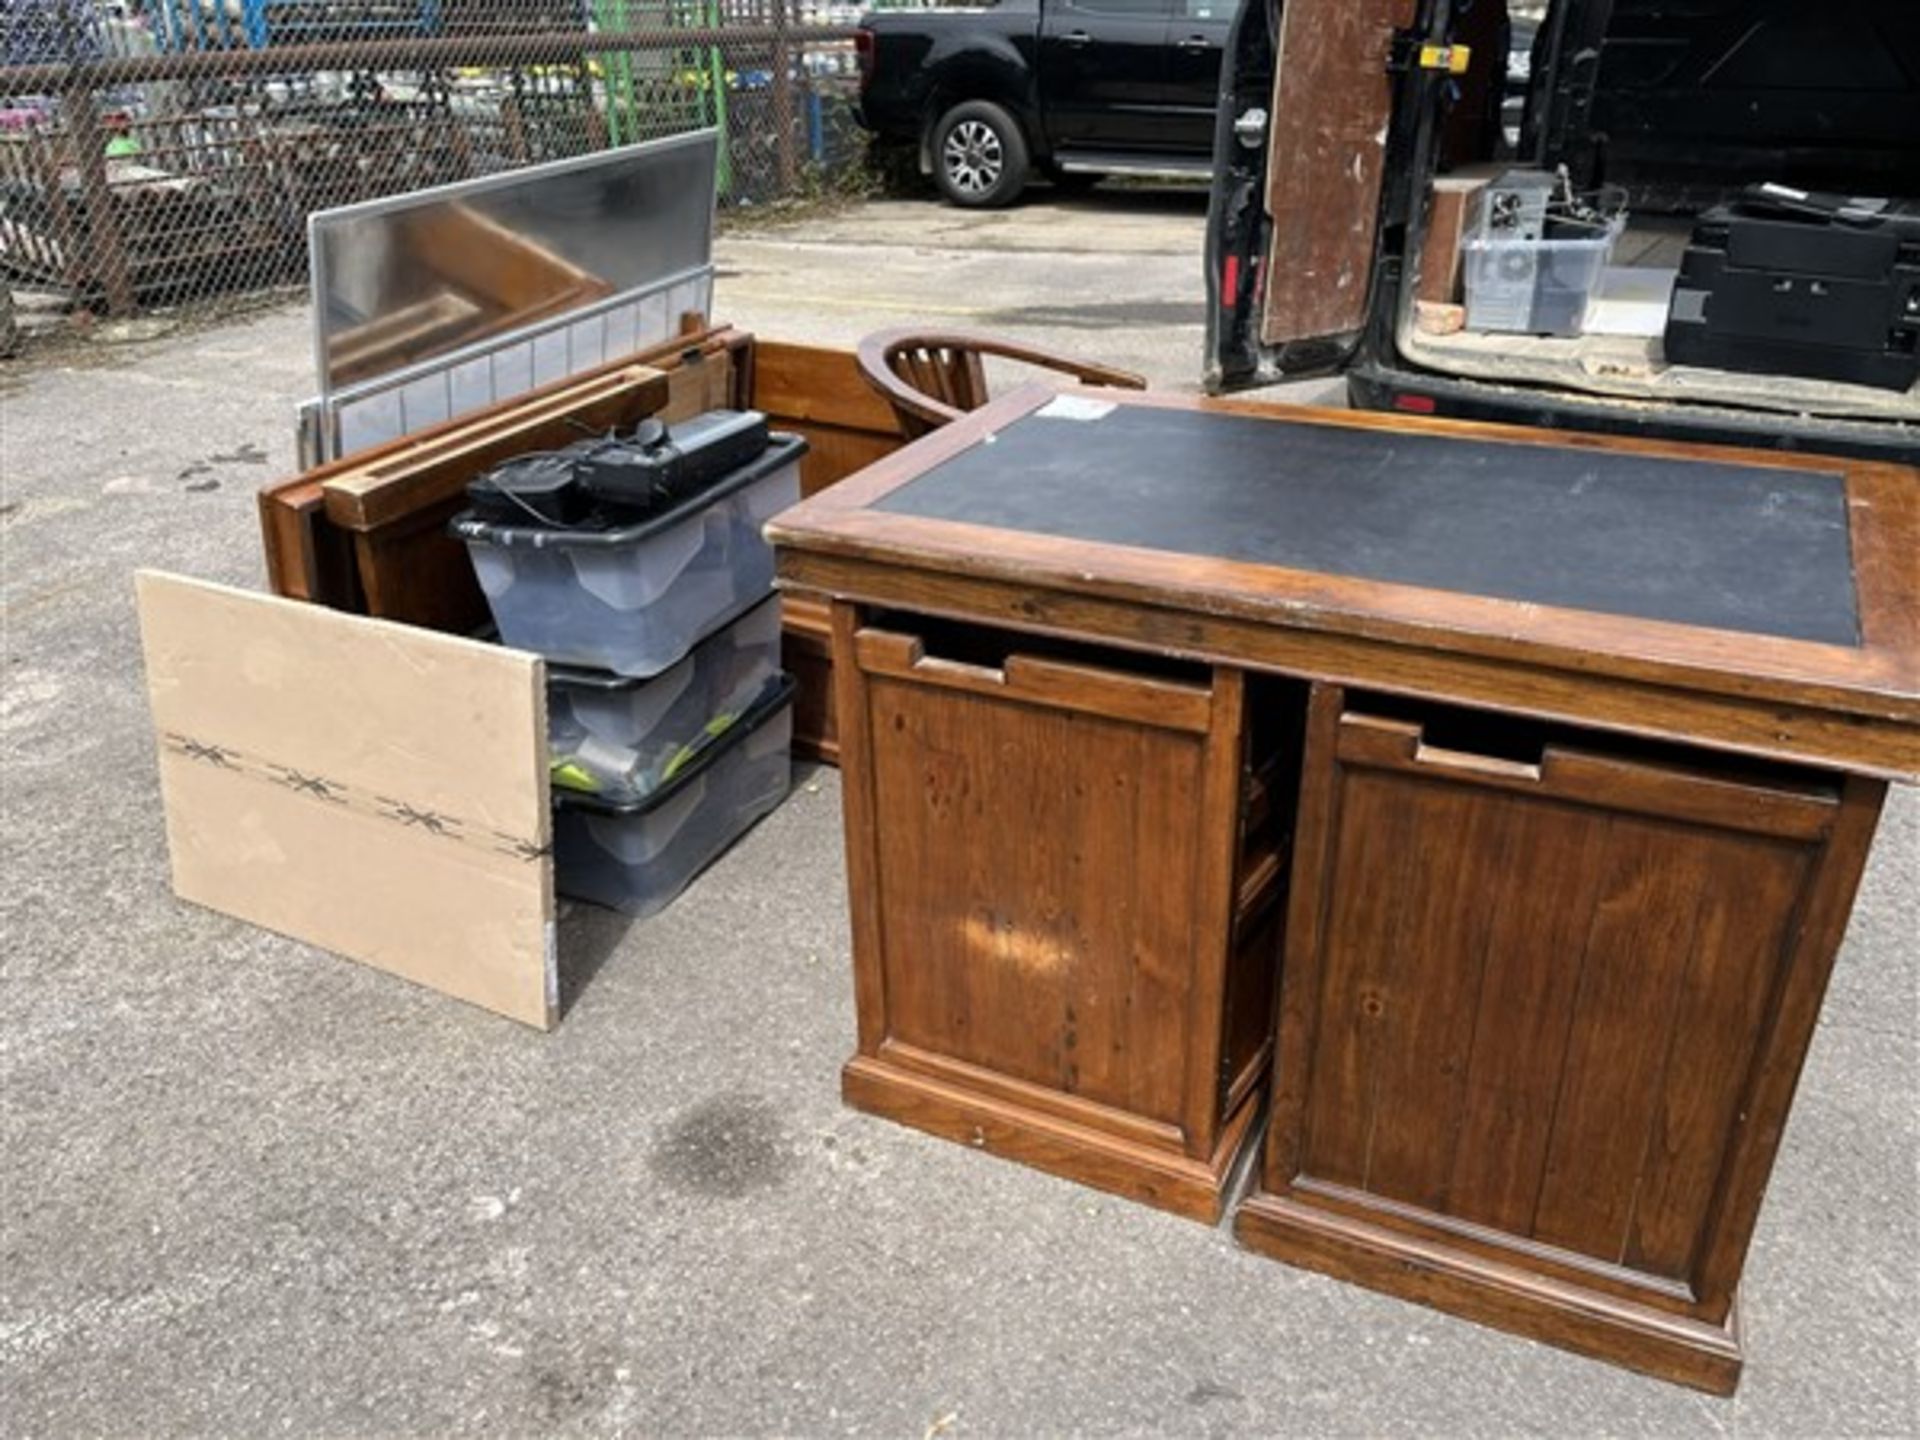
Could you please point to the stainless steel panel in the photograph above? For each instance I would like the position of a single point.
(412, 399)
(456, 270)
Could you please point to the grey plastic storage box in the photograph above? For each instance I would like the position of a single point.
(636, 857)
(634, 600)
(1535, 287)
(622, 738)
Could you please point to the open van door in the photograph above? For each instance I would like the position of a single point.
(1312, 118)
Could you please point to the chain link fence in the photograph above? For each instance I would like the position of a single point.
(160, 151)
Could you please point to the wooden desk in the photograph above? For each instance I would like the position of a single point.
(1541, 768)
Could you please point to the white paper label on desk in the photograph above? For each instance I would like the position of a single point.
(1074, 407)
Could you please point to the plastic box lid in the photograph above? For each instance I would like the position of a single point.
(783, 449)
(608, 682)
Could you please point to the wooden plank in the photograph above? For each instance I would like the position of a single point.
(1040, 681)
(1565, 771)
(817, 392)
(1296, 1029)
(307, 556)
(1645, 920)
(1494, 1291)
(834, 453)
(1460, 849)
(820, 385)
(1332, 99)
(1535, 951)
(1818, 930)
(806, 653)
(1151, 1174)
(1363, 926)
(858, 806)
(376, 790)
(431, 472)
(1446, 227)
(1216, 889)
(1740, 943)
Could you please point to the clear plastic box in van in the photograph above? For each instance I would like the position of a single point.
(1535, 287)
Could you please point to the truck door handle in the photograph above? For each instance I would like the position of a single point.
(1193, 42)
(1076, 38)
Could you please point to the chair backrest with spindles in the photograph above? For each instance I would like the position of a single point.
(933, 377)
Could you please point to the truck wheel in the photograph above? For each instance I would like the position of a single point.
(979, 155)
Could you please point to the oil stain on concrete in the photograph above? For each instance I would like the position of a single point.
(729, 1145)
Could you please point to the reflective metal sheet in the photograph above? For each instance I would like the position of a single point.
(449, 274)
(377, 411)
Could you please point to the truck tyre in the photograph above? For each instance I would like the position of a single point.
(979, 155)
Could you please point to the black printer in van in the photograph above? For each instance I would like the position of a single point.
(1791, 282)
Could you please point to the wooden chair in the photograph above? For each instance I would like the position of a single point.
(931, 377)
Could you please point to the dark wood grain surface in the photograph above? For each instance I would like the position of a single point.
(1541, 1007)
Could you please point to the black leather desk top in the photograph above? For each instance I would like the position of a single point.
(1703, 543)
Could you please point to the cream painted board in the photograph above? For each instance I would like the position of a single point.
(374, 789)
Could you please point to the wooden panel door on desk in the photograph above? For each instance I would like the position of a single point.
(1064, 949)
(1541, 1015)
(1042, 857)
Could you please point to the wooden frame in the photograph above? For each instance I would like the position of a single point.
(362, 535)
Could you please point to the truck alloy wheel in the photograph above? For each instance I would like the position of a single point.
(973, 157)
(979, 154)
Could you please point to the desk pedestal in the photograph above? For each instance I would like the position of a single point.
(1067, 868)
(1544, 1001)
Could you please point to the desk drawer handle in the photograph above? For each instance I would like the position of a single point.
(1059, 684)
(1592, 778)
(1466, 762)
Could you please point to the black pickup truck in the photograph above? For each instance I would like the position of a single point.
(987, 95)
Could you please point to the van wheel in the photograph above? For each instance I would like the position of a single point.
(979, 155)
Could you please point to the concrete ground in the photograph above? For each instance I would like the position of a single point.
(251, 1188)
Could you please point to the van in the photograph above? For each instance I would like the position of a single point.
(1349, 129)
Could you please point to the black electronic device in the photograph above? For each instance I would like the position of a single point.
(615, 479)
(1795, 282)
(542, 488)
(659, 465)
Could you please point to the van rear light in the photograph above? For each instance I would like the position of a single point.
(1416, 404)
(863, 55)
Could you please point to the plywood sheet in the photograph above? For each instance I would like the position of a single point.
(374, 789)
(1332, 100)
